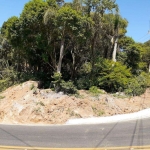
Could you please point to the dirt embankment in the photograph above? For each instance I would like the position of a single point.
(26, 104)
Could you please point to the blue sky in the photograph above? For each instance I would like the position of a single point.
(137, 12)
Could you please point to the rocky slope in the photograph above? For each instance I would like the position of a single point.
(26, 104)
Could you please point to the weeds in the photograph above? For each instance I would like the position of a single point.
(79, 96)
(96, 91)
(40, 103)
(32, 86)
(37, 110)
(120, 96)
(2, 97)
(72, 113)
(98, 112)
(35, 91)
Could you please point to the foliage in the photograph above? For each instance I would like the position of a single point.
(97, 111)
(32, 86)
(83, 83)
(60, 85)
(68, 87)
(86, 68)
(76, 41)
(1, 97)
(57, 81)
(95, 90)
(136, 86)
(4, 84)
(8, 78)
(133, 58)
(112, 76)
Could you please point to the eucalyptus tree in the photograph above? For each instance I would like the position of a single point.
(33, 32)
(146, 54)
(9, 41)
(50, 21)
(5, 50)
(68, 23)
(96, 9)
(77, 5)
(132, 54)
(118, 30)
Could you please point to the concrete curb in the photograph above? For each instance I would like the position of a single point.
(117, 118)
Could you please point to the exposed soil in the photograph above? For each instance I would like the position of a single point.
(26, 104)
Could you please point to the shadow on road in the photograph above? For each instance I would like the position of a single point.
(106, 135)
(138, 130)
(26, 144)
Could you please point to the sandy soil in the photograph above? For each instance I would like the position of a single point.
(26, 104)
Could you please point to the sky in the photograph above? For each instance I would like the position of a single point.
(137, 12)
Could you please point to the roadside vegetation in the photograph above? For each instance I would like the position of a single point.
(68, 46)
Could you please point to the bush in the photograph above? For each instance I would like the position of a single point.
(147, 78)
(61, 85)
(68, 87)
(83, 83)
(95, 90)
(106, 74)
(57, 80)
(86, 68)
(4, 84)
(136, 86)
(111, 76)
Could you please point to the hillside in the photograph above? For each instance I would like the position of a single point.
(26, 104)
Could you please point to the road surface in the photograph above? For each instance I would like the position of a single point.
(132, 133)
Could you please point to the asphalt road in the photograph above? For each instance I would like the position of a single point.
(133, 133)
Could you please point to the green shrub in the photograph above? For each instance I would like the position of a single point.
(4, 84)
(147, 78)
(83, 83)
(95, 90)
(61, 85)
(111, 76)
(84, 80)
(136, 86)
(105, 74)
(86, 68)
(57, 80)
(68, 87)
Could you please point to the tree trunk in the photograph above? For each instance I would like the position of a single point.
(73, 65)
(115, 50)
(61, 55)
(53, 58)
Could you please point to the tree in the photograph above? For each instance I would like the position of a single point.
(133, 58)
(33, 31)
(146, 54)
(69, 24)
(114, 29)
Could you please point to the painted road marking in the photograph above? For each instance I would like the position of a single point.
(104, 148)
